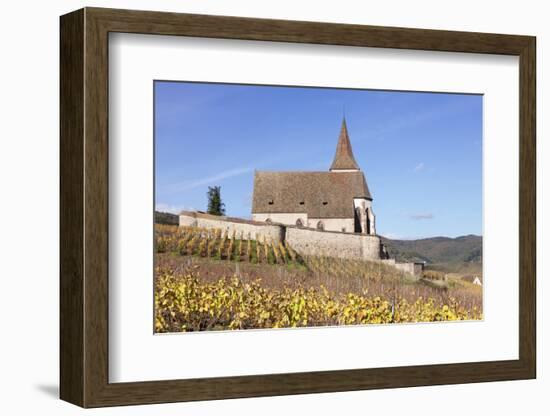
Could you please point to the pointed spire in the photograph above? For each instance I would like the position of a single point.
(343, 159)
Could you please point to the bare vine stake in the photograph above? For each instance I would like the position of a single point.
(258, 250)
(248, 247)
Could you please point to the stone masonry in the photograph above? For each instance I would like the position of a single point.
(306, 241)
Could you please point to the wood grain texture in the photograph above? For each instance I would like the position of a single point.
(527, 208)
(84, 207)
(71, 208)
(96, 208)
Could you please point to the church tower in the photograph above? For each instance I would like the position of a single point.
(344, 161)
(335, 200)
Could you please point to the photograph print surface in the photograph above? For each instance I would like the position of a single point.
(285, 207)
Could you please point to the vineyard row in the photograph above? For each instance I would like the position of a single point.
(214, 243)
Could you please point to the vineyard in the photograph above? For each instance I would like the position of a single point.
(209, 280)
(184, 303)
(214, 243)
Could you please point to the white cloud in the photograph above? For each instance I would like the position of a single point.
(397, 236)
(422, 216)
(394, 236)
(403, 122)
(172, 209)
(419, 167)
(209, 180)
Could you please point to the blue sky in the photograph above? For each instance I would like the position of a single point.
(421, 152)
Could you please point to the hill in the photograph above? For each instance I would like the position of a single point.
(166, 218)
(437, 250)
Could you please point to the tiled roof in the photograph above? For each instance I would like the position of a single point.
(320, 194)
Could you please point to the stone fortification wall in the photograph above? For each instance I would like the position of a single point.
(256, 230)
(412, 268)
(310, 242)
(306, 241)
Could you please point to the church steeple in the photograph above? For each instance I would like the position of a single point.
(343, 159)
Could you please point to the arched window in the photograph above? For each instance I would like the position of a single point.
(320, 225)
(367, 213)
(357, 226)
(299, 223)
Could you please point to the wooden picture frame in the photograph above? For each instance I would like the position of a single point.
(84, 207)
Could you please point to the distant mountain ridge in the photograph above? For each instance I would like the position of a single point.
(166, 218)
(437, 250)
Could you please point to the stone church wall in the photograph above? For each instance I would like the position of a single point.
(330, 224)
(334, 224)
(282, 218)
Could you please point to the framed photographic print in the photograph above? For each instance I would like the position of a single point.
(255, 207)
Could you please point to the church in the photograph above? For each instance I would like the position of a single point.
(336, 200)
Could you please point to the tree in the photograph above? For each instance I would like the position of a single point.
(215, 204)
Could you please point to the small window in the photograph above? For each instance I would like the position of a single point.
(302, 202)
(343, 229)
(299, 223)
(325, 202)
(320, 225)
(270, 202)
